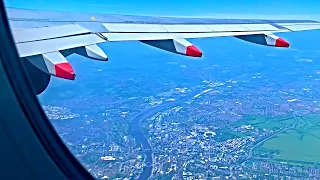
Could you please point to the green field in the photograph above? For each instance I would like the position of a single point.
(295, 147)
(300, 144)
(223, 135)
(261, 122)
(258, 122)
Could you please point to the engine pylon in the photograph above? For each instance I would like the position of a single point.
(91, 51)
(265, 39)
(53, 63)
(179, 46)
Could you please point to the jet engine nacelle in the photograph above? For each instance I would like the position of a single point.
(39, 79)
(265, 39)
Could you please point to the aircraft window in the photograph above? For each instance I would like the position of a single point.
(129, 110)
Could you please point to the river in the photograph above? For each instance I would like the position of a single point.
(140, 138)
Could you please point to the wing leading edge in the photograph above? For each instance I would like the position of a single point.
(45, 38)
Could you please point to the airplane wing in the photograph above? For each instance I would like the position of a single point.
(45, 38)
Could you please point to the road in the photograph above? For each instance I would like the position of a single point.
(286, 128)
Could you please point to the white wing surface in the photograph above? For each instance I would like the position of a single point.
(45, 38)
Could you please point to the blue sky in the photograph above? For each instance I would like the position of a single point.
(177, 7)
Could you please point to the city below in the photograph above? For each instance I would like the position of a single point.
(239, 113)
(214, 133)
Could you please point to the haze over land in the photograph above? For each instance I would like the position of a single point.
(242, 111)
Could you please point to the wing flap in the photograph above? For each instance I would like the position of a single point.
(186, 28)
(259, 27)
(301, 26)
(51, 45)
(226, 27)
(35, 34)
(163, 36)
(118, 27)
